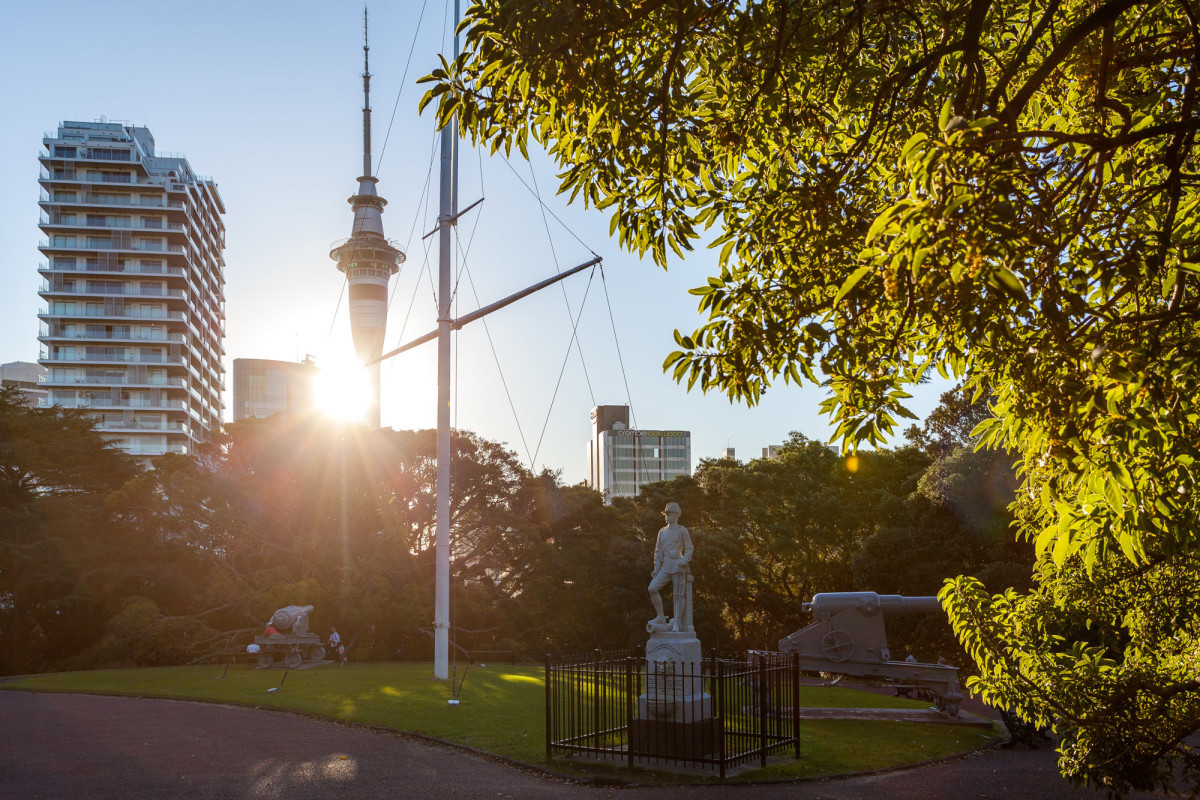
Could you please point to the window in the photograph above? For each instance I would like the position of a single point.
(64, 152)
(109, 154)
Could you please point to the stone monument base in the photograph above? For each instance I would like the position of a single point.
(676, 739)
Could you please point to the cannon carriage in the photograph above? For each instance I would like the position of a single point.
(294, 644)
(848, 637)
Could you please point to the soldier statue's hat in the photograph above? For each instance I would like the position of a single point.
(671, 508)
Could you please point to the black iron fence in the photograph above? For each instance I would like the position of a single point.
(718, 713)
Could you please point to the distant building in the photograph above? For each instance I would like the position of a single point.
(622, 460)
(262, 387)
(774, 450)
(134, 286)
(25, 377)
(729, 452)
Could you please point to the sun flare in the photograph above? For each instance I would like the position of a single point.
(343, 392)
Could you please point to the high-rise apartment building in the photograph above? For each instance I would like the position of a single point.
(134, 284)
(622, 460)
(262, 387)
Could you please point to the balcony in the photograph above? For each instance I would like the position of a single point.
(82, 176)
(138, 247)
(128, 269)
(111, 358)
(123, 290)
(147, 452)
(57, 221)
(125, 337)
(135, 201)
(108, 402)
(113, 381)
(113, 313)
(135, 425)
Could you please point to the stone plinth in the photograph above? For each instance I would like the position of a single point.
(674, 680)
(676, 739)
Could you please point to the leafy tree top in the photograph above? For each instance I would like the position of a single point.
(996, 190)
(1003, 191)
(54, 452)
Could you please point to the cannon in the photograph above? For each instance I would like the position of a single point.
(293, 645)
(848, 637)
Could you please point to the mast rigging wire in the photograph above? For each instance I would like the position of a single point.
(400, 91)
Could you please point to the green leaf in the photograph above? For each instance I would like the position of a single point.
(1008, 282)
(850, 283)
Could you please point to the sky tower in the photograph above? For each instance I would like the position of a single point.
(368, 258)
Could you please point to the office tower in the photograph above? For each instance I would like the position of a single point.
(622, 460)
(369, 260)
(134, 284)
(262, 387)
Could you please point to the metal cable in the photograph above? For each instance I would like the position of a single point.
(400, 91)
(575, 322)
(556, 218)
(566, 358)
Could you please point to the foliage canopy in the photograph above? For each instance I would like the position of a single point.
(1001, 190)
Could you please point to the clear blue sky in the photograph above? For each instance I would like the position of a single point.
(265, 97)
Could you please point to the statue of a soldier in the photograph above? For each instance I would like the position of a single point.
(672, 553)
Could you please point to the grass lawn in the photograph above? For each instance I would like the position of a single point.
(502, 711)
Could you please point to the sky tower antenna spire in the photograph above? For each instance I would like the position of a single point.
(366, 98)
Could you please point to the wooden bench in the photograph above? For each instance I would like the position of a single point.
(478, 655)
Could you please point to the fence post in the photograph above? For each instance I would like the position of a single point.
(796, 701)
(721, 714)
(763, 713)
(549, 725)
(629, 701)
(597, 688)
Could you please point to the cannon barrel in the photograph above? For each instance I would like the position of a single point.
(292, 618)
(869, 603)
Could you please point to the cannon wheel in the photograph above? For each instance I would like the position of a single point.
(837, 646)
(315, 652)
(265, 659)
(292, 660)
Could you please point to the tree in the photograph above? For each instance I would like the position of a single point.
(1001, 190)
(55, 473)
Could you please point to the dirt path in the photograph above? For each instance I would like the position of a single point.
(61, 747)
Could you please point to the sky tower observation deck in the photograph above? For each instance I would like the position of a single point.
(369, 260)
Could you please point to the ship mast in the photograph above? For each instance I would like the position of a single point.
(447, 214)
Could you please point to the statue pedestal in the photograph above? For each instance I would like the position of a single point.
(675, 715)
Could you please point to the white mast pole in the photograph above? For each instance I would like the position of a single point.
(446, 216)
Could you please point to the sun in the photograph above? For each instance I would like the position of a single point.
(343, 391)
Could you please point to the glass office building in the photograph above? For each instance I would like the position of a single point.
(262, 387)
(621, 460)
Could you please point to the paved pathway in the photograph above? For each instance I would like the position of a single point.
(62, 747)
